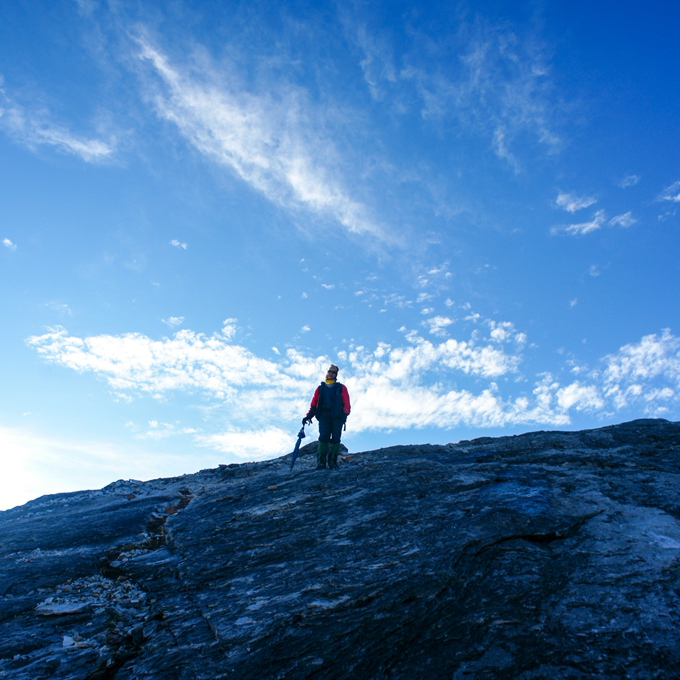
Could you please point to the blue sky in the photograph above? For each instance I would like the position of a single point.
(471, 208)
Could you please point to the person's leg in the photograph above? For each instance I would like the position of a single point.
(321, 453)
(334, 448)
(325, 434)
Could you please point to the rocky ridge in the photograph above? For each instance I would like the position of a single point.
(545, 555)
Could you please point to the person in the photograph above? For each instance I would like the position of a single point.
(330, 404)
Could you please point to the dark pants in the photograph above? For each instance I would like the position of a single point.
(330, 429)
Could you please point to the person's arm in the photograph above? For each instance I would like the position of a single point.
(346, 406)
(312, 408)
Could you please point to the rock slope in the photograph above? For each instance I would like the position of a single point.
(545, 555)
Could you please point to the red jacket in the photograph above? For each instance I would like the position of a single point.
(344, 405)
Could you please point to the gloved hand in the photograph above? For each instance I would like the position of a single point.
(306, 421)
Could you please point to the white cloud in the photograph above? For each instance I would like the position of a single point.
(437, 324)
(599, 219)
(624, 220)
(648, 371)
(34, 128)
(572, 203)
(8, 244)
(579, 397)
(392, 387)
(671, 193)
(268, 391)
(188, 361)
(644, 376)
(34, 464)
(173, 321)
(269, 140)
(629, 181)
(178, 244)
(441, 270)
(651, 357)
(505, 331)
(583, 227)
(409, 363)
(251, 444)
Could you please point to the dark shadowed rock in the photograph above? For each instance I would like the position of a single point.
(546, 555)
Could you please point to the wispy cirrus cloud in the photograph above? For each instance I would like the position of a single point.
(490, 79)
(33, 127)
(268, 139)
(571, 203)
(582, 228)
(599, 220)
(629, 181)
(496, 83)
(377, 63)
(624, 220)
(671, 193)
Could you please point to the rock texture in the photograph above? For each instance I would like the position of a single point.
(546, 555)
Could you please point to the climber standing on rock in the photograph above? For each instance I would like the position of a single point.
(330, 404)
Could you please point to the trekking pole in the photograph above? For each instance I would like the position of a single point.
(301, 436)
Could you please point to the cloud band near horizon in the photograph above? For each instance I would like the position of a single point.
(389, 385)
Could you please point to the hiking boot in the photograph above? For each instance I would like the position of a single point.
(333, 455)
(321, 453)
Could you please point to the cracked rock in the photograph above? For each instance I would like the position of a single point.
(545, 555)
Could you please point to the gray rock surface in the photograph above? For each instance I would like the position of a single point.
(545, 555)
